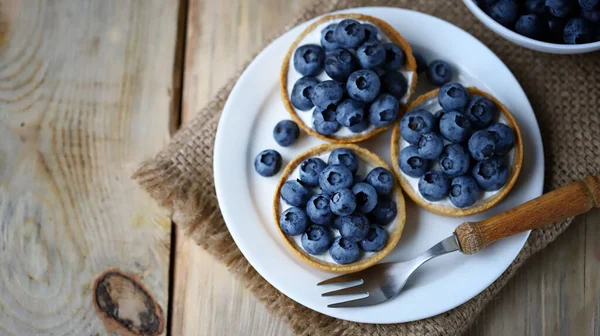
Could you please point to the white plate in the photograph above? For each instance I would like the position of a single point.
(245, 198)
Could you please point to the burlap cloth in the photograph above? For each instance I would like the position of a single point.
(564, 92)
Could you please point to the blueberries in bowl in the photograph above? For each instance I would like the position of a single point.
(343, 251)
(371, 54)
(335, 177)
(344, 157)
(375, 239)
(434, 186)
(309, 59)
(363, 85)
(328, 40)
(414, 123)
(293, 221)
(491, 175)
(339, 64)
(302, 92)
(384, 110)
(349, 33)
(310, 170)
(318, 210)
(463, 191)
(317, 239)
(381, 179)
(411, 163)
(453, 97)
(354, 227)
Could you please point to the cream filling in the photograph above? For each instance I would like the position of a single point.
(433, 106)
(314, 37)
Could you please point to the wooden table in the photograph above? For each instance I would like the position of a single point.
(87, 91)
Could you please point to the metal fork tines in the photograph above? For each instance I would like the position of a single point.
(384, 281)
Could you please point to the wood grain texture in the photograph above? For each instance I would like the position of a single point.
(85, 94)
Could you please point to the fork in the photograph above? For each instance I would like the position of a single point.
(384, 281)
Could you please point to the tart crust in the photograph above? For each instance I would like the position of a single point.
(486, 204)
(365, 156)
(409, 65)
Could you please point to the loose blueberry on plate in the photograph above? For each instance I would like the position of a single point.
(343, 202)
(455, 127)
(430, 145)
(411, 163)
(318, 210)
(334, 178)
(439, 73)
(453, 97)
(394, 57)
(385, 211)
(491, 175)
(381, 179)
(349, 33)
(589, 4)
(350, 113)
(434, 186)
(310, 170)
(577, 31)
(375, 239)
(463, 191)
(294, 193)
(286, 132)
(559, 8)
(504, 136)
(339, 64)
(324, 120)
(302, 91)
(327, 93)
(293, 221)
(354, 227)
(363, 85)
(371, 33)
(455, 160)
(309, 59)
(504, 12)
(529, 25)
(328, 37)
(371, 54)
(421, 62)
(343, 251)
(482, 145)
(366, 197)
(384, 110)
(267, 163)
(344, 157)
(316, 240)
(537, 7)
(414, 123)
(394, 83)
(480, 112)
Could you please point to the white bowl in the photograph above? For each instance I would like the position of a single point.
(552, 48)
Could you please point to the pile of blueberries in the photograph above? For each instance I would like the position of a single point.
(555, 21)
(332, 196)
(462, 137)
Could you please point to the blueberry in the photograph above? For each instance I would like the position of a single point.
(411, 163)
(318, 210)
(559, 8)
(343, 251)
(482, 145)
(350, 113)
(328, 37)
(480, 112)
(327, 93)
(537, 7)
(361, 126)
(434, 186)
(371, 32)
(366, 197)
(529, 25)
(504, 12)
(439, 73)
(337, 222)
(416, 122)
(309, 59)
(421, 62)
(334, 178)
(491, 175)
(324, 120)
(354, 227)
(463, 191)
(302, 91)
(455, 160)
(577, 31)
(504, 136)
(343, 202)
(358, 178)
(286, 132)
(394, 57)
(267, 163)
(317, 239)
(453, 97)
(294, 193)
(591, 15)
(293, 221)
(344, 157)
(371, 54)
(310, 170)
(430, 145)
(375, 239)
(394, 83)
(385, 211)
(455, 127)
(339, 64)
(555, 28)
(384, 110)
(349, 33)
(363, 85)
(589, 4)
(381, 179)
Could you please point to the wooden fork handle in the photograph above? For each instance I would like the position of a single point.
(568, 201)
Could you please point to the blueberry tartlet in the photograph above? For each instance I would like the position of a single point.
(339, 207)
(457, 151)
(347, 77)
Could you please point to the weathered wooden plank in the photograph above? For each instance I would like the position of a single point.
(85, 95)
